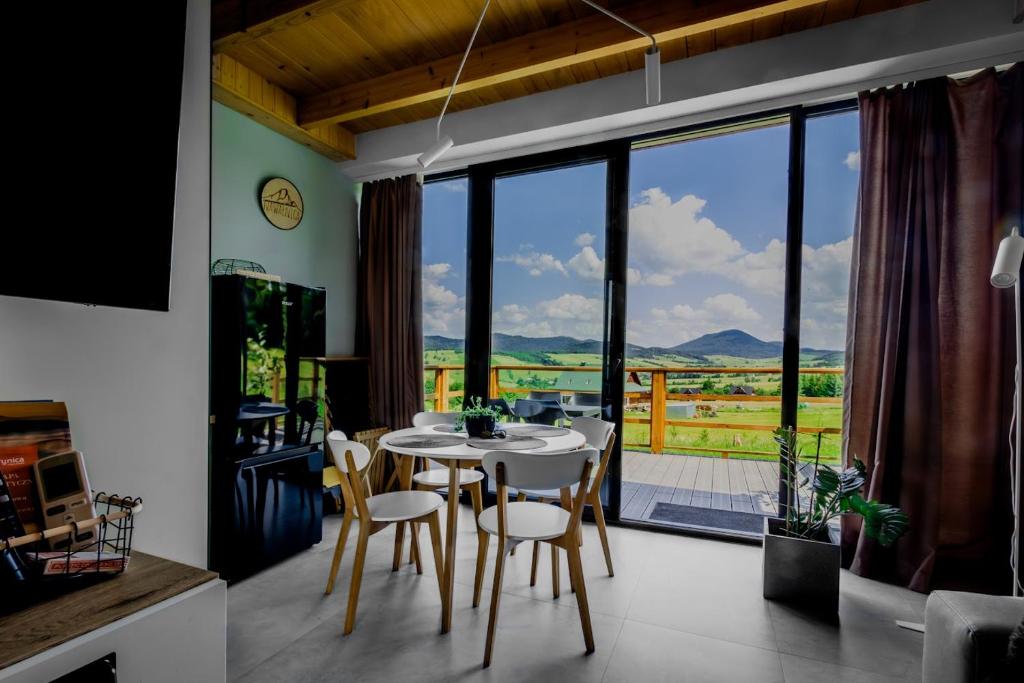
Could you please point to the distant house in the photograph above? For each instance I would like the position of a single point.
(690, 391)
(740, 390)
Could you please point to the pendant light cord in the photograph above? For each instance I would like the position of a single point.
(458, 73)
(624, 22)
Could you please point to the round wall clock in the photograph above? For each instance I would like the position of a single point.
(281, 203)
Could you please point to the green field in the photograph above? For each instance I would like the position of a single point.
(678, 438)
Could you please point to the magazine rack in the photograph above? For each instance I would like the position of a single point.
(108, 554)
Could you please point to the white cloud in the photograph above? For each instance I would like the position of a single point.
(513, 314)
(669, 239)
(458, 185)
(444, 311)
(585, 239)
(437, 270)
(587, 264)
(852, 160)
(571, 315)
(535, 263)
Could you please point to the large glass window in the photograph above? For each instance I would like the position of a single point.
(444, 292)
(832, 171)
(548, 306)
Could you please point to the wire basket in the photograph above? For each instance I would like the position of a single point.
(108, 554)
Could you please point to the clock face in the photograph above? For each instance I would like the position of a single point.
(281, 203)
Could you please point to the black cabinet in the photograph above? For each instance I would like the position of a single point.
(265, 476)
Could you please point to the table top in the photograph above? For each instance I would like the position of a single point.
(249, 412)
(147, 581)
(568, 441)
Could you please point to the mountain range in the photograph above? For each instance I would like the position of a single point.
(725, 343)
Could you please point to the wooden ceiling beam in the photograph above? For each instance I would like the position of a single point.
(244, 90)
(576, 42)
(236, 22)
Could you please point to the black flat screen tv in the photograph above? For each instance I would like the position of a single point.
(92, 160)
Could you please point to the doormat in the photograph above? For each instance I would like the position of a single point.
(747, 522)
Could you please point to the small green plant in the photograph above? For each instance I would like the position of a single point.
(834, 492)
(475, 408)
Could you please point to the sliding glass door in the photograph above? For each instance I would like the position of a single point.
(706, 293)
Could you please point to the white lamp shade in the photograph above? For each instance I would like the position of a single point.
(435, 151)
(1006, 268)
(652, 73)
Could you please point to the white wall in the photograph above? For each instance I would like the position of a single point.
(136, 381)
(320, 251)
(927, 39)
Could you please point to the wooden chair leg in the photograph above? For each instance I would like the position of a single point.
(602, 531)
(499, 574)
(576, 571)
(483, 538)
(396, 561)
(339, 549)
(414, 543)
(520, 497)
(357, 576)
(434, 526)
(556, 575)
(533, 564)
(414, 547)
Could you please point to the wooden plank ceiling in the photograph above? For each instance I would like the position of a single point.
(324, 71)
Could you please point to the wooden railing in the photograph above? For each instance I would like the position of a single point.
(656, 397)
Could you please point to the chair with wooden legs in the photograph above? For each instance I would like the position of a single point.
(600, 435)
(374, 513)
(514, 523)
(435, 478)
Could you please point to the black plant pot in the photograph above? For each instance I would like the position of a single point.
(478, 426)
(801, 571)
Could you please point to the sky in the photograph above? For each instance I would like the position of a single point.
(707, 236)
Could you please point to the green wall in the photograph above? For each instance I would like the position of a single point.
(321, 251)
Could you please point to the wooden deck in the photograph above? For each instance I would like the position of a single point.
(723, 484)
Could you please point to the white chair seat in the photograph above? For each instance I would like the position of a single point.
(438, 477)
(399, 506)
(528, 521)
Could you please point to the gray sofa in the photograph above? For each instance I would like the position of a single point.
(966, 636)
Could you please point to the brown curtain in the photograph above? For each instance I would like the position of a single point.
(389, 324)
(929, 341)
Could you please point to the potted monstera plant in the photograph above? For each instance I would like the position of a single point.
(801, 548)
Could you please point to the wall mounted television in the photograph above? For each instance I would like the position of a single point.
(92, 153)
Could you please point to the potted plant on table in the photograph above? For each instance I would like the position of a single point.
(478, 419)
(801, 549)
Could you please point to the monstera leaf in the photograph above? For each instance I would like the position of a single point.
(882, 522)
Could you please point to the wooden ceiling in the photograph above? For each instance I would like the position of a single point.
(323, 71)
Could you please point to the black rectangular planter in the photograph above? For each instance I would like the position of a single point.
(800, 571)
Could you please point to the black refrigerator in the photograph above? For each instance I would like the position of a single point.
(266, 462)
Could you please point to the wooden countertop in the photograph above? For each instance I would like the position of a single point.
(147, 581)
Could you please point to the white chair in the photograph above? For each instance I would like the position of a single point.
(436, 477)
(600, 435)
(514, 523)
(374, 514)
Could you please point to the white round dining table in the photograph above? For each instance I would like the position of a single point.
(453, 456)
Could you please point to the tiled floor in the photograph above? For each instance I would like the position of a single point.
(678, 609)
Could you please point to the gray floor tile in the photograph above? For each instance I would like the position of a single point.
(652, 654)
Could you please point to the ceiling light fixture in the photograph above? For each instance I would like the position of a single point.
(652, 58)
(442, 145)
(652, 78)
